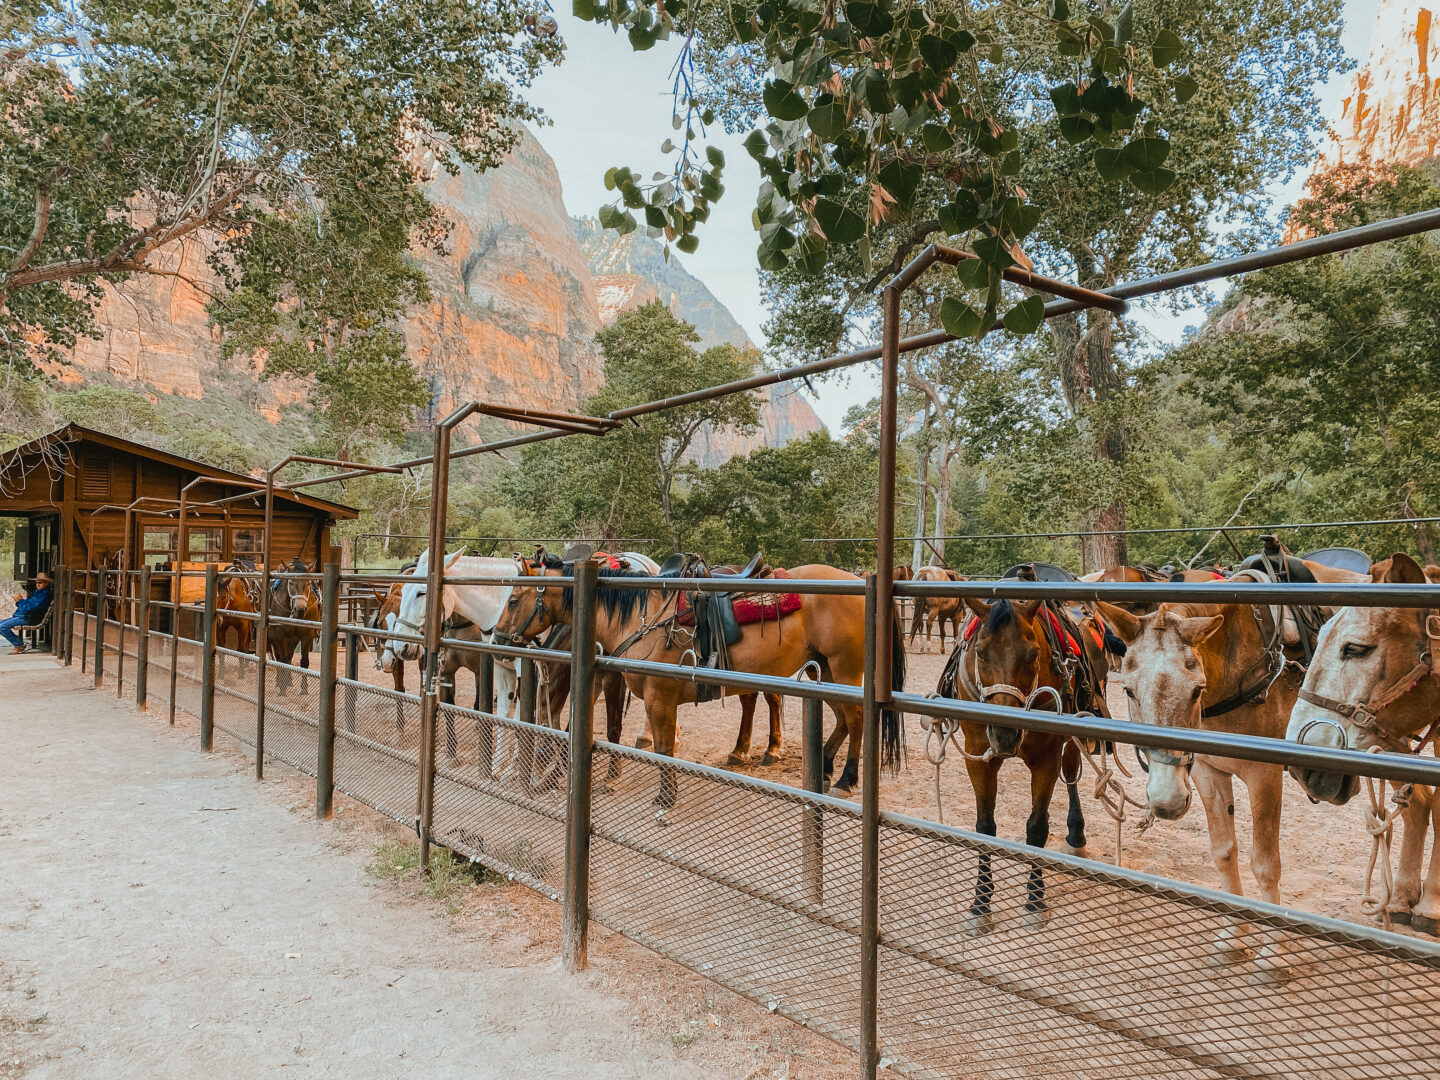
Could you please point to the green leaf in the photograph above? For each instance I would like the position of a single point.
(1020, 218)
(688, 243)
(963, 40)
(1146, 154)
(627, 224)
(901, 181)
(641, 40)
(1066, 99)
(1059, 10)
(937, 138)
(959, 318)
(1154, 181)
(1111, 164)
(584, 10)
(1076, 129)
(776, 237)
(993, 251)
(938, 53)
(715, 156)
(840, 224)
(771, 259)
(610, 217)
(610, 178)
(1185, 88)
(960, 214)
(809, 254)
(654, 217)
(872, 20)
(1167, 48)
(782, 102)
(756, 145)
(1125, 24)
(1026, 316)
(828, 121)
(973, 274)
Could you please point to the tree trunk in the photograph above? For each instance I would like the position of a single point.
(922, 480)
(942, 500)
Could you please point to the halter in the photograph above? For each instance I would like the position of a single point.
(1365, 715)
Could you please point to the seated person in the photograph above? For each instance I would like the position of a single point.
(29, 610)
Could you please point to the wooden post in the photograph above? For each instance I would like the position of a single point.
(122, 583)
(98, 667)
(207, 661)
(142, 643)
(84, 637)
(576, 922)
(325, 735)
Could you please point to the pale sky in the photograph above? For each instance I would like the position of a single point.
(611, 106)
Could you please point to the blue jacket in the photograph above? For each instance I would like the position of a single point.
(32, 608)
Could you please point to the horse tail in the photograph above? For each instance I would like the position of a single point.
(892, 726)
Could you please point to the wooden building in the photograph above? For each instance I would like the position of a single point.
(74, 489)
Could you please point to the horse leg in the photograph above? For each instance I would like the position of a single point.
(1427, 911)
(984, 779)
(1217, 795)
(662, 722)
(1075, 816)
(305, 662)
(832, 744)
(398, 675)
(772, 750)
(741, 754)
(850, 775)
(1405, 893)
(1043, 775)
(1266, 787)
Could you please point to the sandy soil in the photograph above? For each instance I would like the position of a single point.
(162, 915)
(1324, 848)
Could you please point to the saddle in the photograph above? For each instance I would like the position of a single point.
(713, 615)
(1276, 561)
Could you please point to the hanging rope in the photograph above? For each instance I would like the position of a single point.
(1380, 824)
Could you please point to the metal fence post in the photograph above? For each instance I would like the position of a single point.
(812, 827)
(325, 747)
(142, 642)
(352, 672)
(207, 661)
(97, 666)
(870, 846)
(122, 590)
(84, 637)
(485, 701)
(576, 923)
(177, 582)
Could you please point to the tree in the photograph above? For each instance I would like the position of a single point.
(625, 484)
(132, 128)
(1332, 373)
(1243, 115)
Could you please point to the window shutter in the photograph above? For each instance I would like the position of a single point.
(95, 478)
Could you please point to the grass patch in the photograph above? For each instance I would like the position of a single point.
(450, 874)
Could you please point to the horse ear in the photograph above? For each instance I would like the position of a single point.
(1127, 627)
(451, 558)
(1432, 573)
(1199, 629)
(1027, 609)
(978, 606)
(1399, 569)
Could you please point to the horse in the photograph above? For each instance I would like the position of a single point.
(1213, 667)
(932, 609)
(1374, 683)
(238, 595)
(475, 603)
(1012, 653)
(386, 659)
(293, 598)
(826, 629)
(1139, 573)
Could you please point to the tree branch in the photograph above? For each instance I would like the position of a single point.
(37, 232)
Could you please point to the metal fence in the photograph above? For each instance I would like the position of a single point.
(778, 893)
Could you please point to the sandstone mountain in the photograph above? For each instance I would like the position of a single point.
(515, 309)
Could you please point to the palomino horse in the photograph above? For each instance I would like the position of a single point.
(1374, 683)
(1013, 654)
(930, 610)
(1213, 667)
(829, 630)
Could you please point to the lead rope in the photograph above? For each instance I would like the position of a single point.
(1111, 794)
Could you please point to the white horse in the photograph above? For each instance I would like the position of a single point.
(480, 604)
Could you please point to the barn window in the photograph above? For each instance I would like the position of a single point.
(207, 544)
(95, 477)
(247, 541)
(159, 545)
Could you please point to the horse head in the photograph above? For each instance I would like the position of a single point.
(1004, 659)
(410, 618)
(1374, 682)
(531, 610)
(1164, 678)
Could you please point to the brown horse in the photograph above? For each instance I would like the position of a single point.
(292, 598)
(1374, 682)
(234, 594)
(930, 610)
(828, 630)
(1143, 572)
(1012, 657)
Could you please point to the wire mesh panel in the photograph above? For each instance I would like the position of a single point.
(754, 886)
(157, 682)
(1082, 971)
(292, 715)
(377, 747)
(81, 637)
(236, 674)
(500, 795)
(187, 684)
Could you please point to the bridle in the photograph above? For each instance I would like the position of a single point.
(1365, 715)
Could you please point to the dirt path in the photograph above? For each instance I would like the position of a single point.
(138, 938)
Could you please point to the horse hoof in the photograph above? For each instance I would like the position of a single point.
(1425, 925)
(978, 923)
(1035, 918)
(1400, 918)
(1270, 967)
(770, 759)
(1227, 949)
(1071, 849)
(660, 818)
(737, 759)
(644, 742)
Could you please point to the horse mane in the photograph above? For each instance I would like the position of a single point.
(615, 602)
(1002, 614)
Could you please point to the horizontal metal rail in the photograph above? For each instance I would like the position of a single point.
(1168, 530)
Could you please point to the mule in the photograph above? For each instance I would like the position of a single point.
(292, 598)
(828, 630)
(1374, 683)
(1213, 667)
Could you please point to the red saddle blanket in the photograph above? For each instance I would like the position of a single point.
(1072, 647)
(751, 607)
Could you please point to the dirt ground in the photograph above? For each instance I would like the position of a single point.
(162, 915)
(1324, 848)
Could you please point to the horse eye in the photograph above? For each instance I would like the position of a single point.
(513, 601)
(1130, 694)
(1354, 648)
